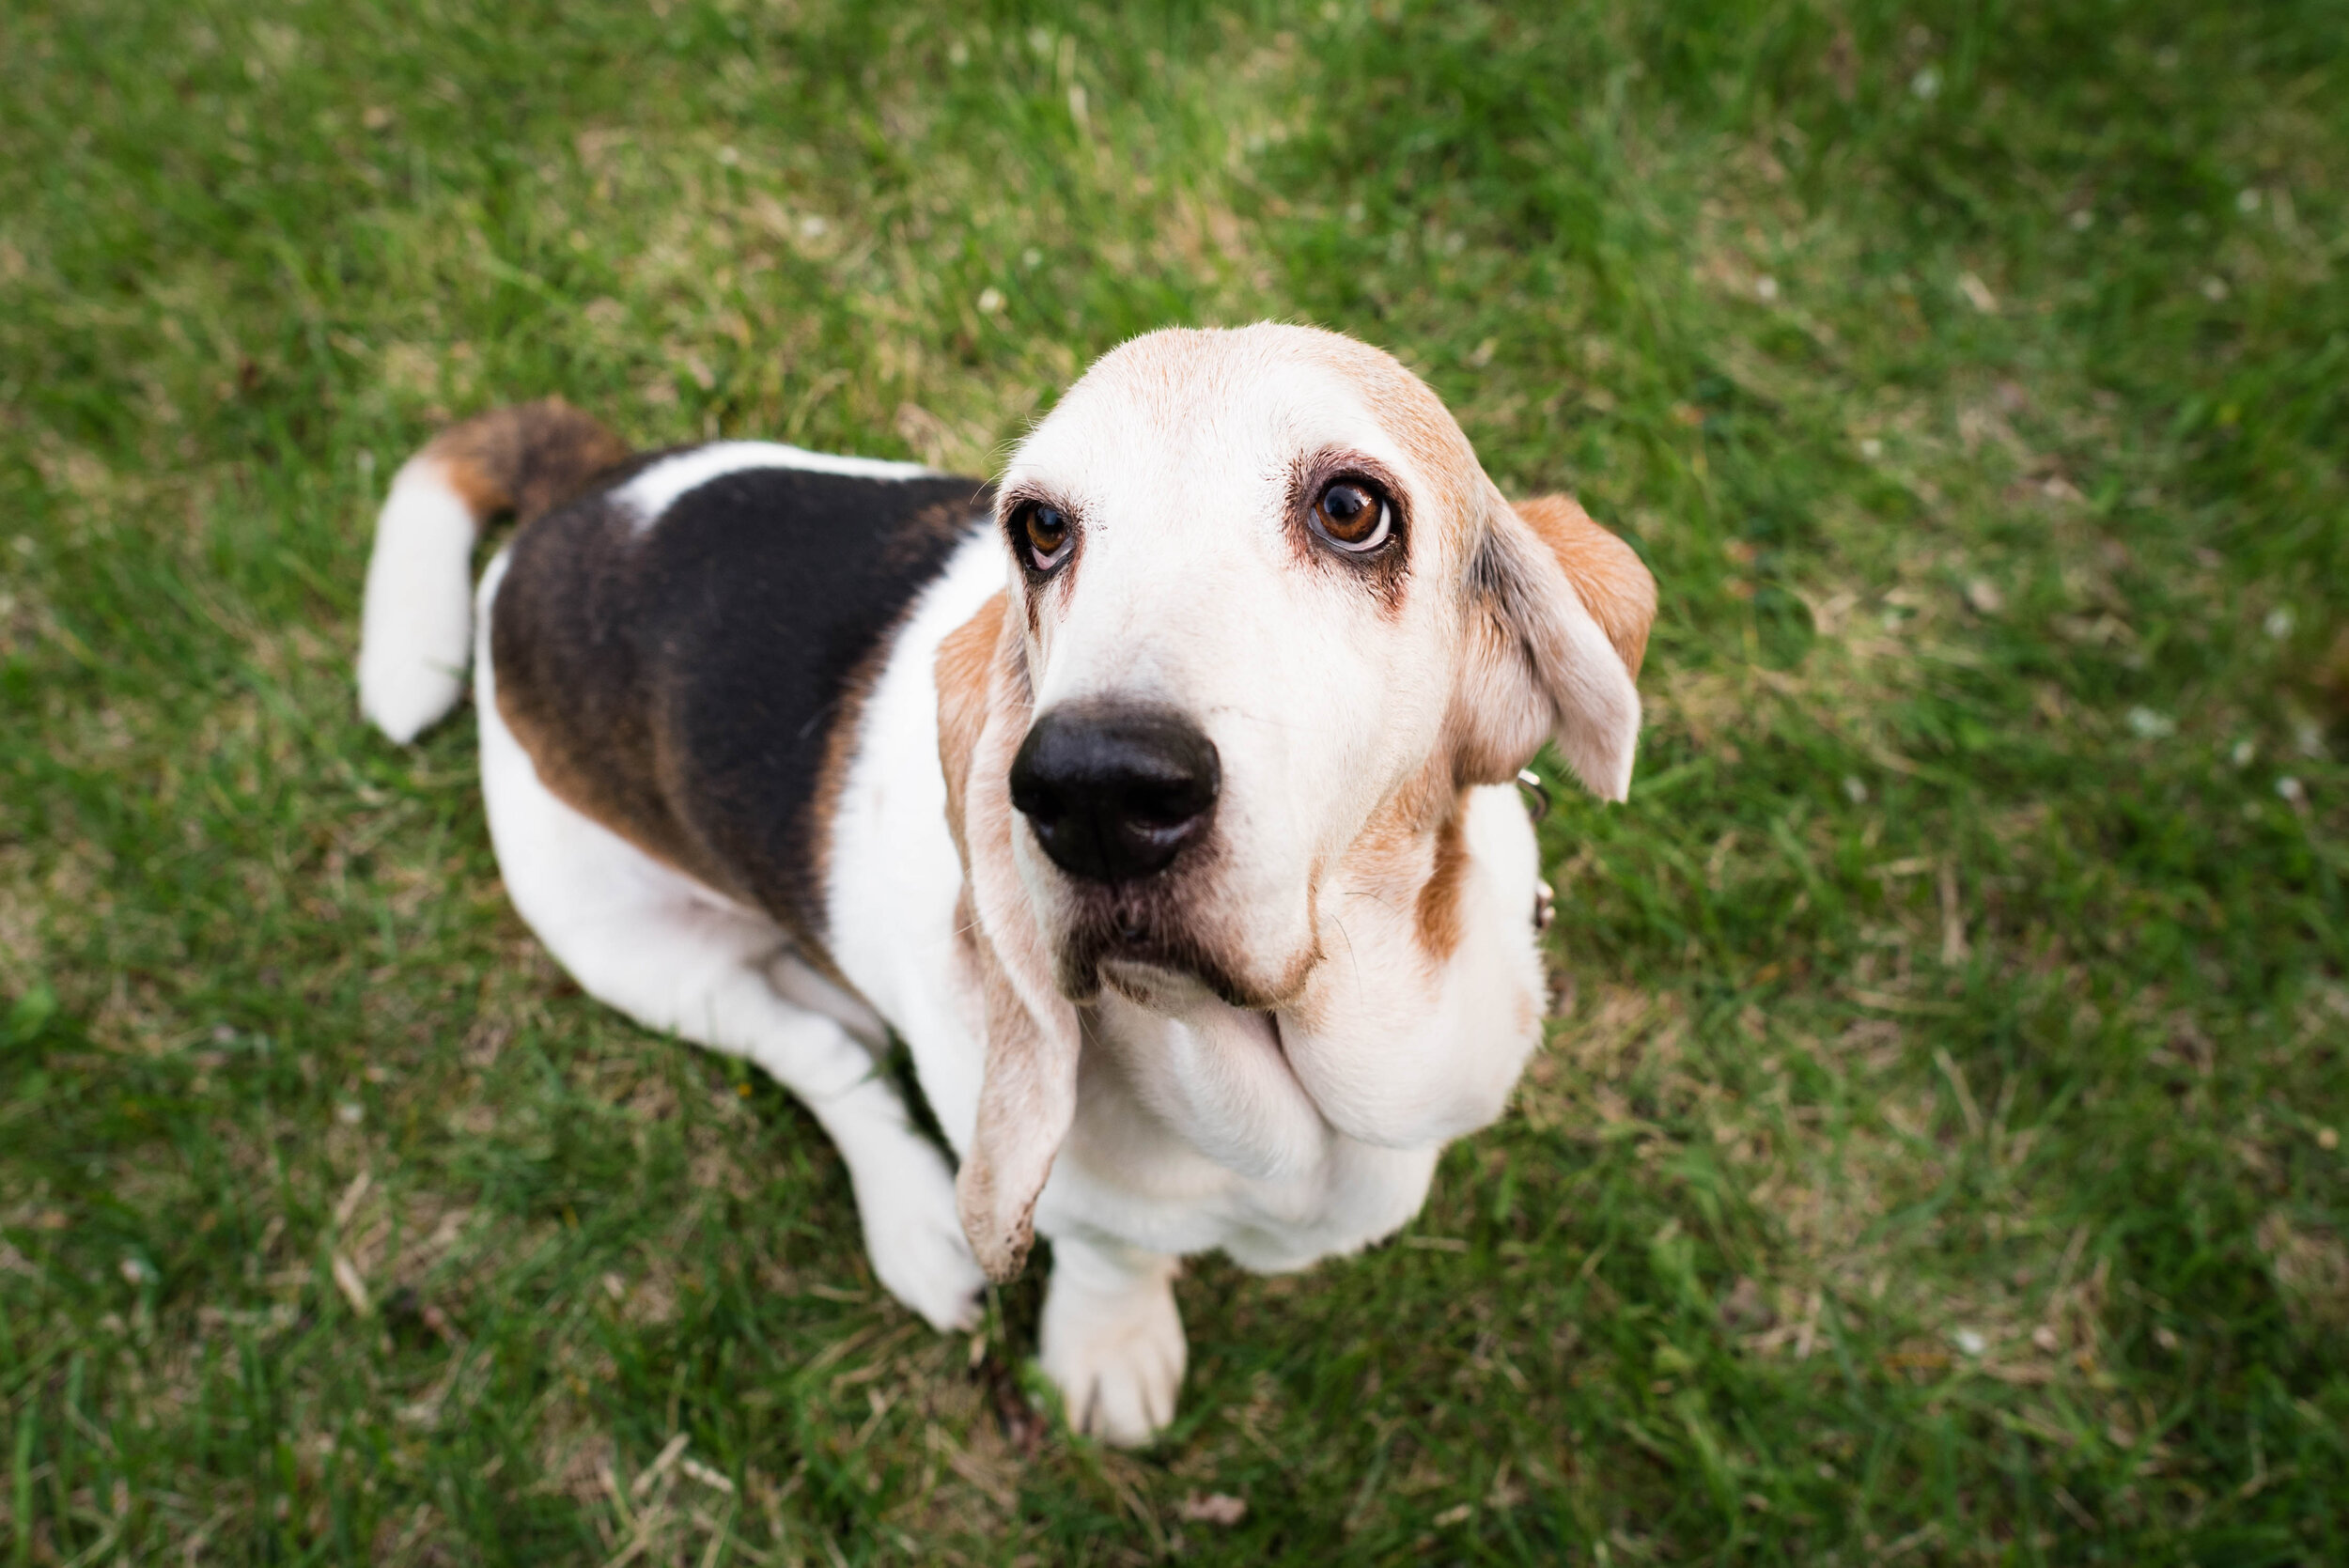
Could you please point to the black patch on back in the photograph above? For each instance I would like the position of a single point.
(682, 684)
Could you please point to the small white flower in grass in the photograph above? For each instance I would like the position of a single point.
(351, 1113)
(2214, 289)
(1969, 1341)
(990, 301)
(2290, 788)
(1213, 1508)
(2246, 199)
(2146, 724)
(1870, 448)
(138, 1272)
(1032, 258)
(1926, 84)
(729, 157)
(1855, 791)
(2279, 624)
(1766, 288)
(2243, 753)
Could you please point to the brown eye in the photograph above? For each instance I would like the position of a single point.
(1353, 517)
(1044, 534)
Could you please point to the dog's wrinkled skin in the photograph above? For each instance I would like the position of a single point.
(1263, 1047)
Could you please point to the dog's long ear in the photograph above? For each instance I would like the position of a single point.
(1028, 1093)
(1558, 625)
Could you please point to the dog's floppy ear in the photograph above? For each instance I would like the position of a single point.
(1559, 618)
(1028, 1093)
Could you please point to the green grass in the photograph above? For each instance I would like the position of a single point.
(1940, 1160)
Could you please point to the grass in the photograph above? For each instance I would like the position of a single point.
(1940, 1158)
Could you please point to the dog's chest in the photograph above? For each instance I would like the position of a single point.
(1148, 1171)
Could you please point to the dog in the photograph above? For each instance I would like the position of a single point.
(1161, 796)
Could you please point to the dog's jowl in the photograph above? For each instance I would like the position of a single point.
(1157, 795)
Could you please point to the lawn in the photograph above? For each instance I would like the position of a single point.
(1937, 1157)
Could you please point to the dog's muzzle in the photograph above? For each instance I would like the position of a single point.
(1115, 793)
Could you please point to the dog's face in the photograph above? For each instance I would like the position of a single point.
(1268, 620)
(1269, 605)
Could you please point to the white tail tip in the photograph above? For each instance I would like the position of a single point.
(416, 628)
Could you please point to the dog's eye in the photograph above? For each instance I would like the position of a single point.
(1353, 517)
(1044, 534)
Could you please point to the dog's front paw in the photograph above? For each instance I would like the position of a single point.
(914, 1236)
(1112, 1341)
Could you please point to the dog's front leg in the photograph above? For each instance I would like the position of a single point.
(1112, 1341)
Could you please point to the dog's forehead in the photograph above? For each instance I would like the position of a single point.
(1234, 409)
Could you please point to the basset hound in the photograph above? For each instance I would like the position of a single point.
(1160, 796)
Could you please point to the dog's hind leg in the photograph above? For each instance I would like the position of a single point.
(674, 956)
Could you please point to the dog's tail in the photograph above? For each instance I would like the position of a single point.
(416, 629)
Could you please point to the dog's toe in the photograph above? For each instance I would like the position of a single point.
(1114, 1347)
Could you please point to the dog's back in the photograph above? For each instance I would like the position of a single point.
(681, 639)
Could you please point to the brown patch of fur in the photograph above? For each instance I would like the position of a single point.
(1414, 851)
(637, 814)
(965, 668)
(1609, 575)
(1438, 907)
(528, 458)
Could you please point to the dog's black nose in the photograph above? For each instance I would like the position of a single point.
(1114, 793)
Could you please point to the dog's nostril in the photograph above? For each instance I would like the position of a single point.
(1114, 793)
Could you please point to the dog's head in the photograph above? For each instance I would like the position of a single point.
(1264, 602)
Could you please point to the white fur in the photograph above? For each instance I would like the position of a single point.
(679, 958)
(416, 629)
(651, 494)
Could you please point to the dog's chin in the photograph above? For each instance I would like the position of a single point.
(1164, 964)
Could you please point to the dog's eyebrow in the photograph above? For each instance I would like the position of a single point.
(1019, 492)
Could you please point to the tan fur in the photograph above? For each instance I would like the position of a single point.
(1614, 582)
(966, 662)
(1439, 906)
(527, 459)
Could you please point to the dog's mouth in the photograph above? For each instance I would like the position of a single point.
(1144, 944)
